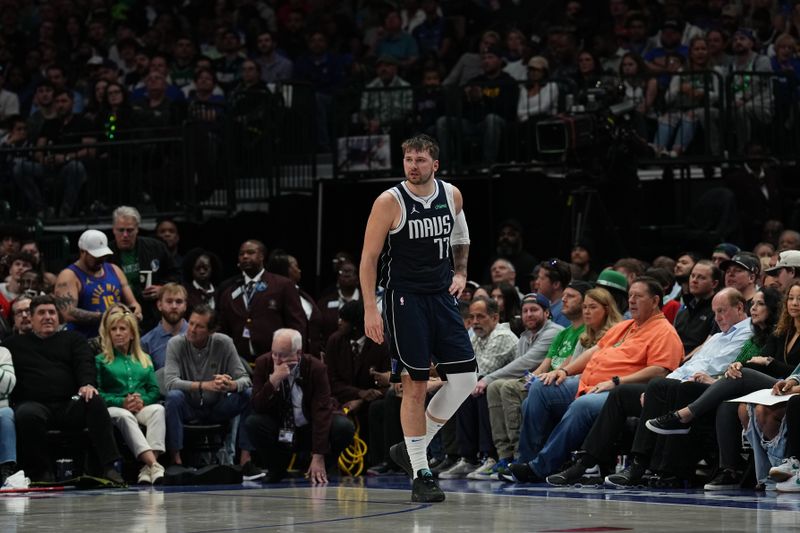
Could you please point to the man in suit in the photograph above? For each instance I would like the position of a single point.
(331, 303)
(293, 409)
(257, 303)
(358, 368)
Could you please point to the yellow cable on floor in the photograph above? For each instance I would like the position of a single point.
(351, 460)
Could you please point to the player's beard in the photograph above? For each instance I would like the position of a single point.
(422, 179)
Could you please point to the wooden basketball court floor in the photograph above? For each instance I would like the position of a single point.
(383, 505)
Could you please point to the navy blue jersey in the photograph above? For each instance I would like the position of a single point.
(416, 256)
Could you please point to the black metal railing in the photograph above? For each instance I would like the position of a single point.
(680, 117)
(70, 180)
(262, 143)
(251, 148)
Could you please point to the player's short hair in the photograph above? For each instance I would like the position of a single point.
(422, 143)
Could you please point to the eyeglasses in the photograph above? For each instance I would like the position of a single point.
(26, 311)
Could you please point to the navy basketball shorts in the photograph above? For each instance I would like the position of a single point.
(424, 329)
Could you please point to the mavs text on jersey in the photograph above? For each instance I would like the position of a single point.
(416, 256)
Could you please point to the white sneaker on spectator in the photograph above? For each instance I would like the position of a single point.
(17, 481)
(789, 467)
(484, 471)
(144, 476)
(156, 474)
(790, 485)
(459, 470)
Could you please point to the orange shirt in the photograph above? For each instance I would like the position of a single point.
(627, 348)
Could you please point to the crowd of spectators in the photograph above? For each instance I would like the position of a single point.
(75, 74)
(150, 340)
(475, 74)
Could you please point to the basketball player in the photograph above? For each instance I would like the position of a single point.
(419, 231)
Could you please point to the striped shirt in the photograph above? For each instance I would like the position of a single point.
(7, 376)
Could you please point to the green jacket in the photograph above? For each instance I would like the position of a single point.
(125, 376)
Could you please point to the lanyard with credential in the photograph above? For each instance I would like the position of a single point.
(286, 433)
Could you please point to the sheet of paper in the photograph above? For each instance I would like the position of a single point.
(763, 397)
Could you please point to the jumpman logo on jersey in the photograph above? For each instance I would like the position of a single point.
(402, 301)
(414, 209)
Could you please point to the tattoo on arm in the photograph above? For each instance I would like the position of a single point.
(460, 255)
(65, 301)
(83, 316)
(66, 304)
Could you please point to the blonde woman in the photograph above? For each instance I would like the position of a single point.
(127, 382)
(599, 314)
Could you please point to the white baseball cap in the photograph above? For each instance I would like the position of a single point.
(788, 258)
(95, 242)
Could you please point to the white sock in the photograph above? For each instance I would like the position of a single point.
(418, 453)
(431, 429)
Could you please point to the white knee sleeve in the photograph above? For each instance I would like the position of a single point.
(449, 398)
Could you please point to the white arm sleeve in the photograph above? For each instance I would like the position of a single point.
(460, 233)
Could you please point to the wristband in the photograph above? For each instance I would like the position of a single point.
(564, 370)
(615, 379)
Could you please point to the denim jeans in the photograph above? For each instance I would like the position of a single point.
(179, 412)
(685, 125)
(569, 433)
(554, 423)
(29, 177)
(766, 454)
(541, 411)
(8, 436)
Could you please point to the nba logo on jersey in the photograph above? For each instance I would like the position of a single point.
(402, 301)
